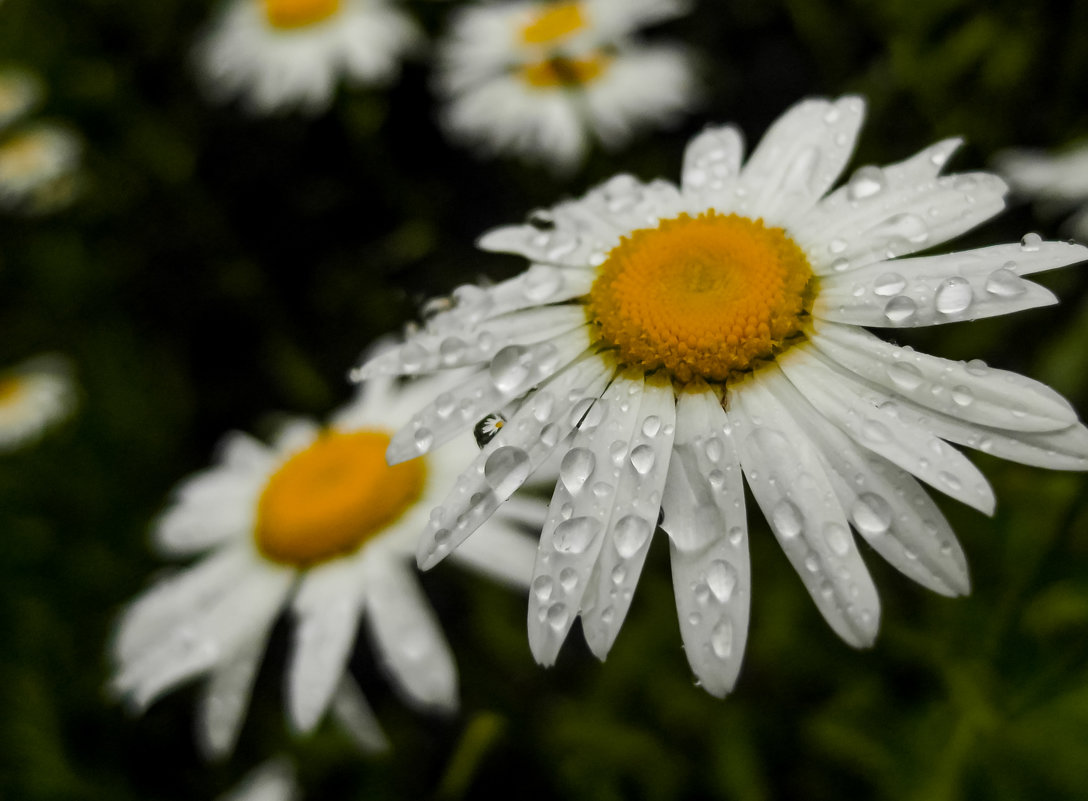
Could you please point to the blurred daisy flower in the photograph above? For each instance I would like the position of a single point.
(38, 167)
(20, 92)
(317, 522)
(279, 54)
(666, 340)
(1057, 181)
(34, 395)
(274, 780)
(541, 79)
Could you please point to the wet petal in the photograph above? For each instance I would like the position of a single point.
(711, 166)
(351, 710)
(225, 699)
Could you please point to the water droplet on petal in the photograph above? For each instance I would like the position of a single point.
(542, 281)
(651, 425)
(412, 356)
(714, 449)
(424, 439)
(954, 295)
(542, 587)
(721, 577)
(900, 309)
(568, 578)
(575, 535)
(451, 349)
(838, 538)
(871, 514)
(557, 616)
(962, 396)
(889, 284)
(786, 519)
(1031, 242)
(865, 182)
(905, 375)
(721, 639)
(1004, 283)
(642, 459)
(619, 574)
(630, 534)
(506, 469)
(977, 367)
(736, 535)
(576, 468)
(508, 368)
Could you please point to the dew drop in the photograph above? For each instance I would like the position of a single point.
(451, 349)
(721, 578)
(424, 439)
(962, 396)
(736, 535)
(900, 309)
(508, 368)
(977, 367)
(905, 375)
(840, 265)
(838, 538)
(619, 575)
(617, 451)
(576, 468)
(542, 588)
(642, 459)
(568, 578)
(954, 295)
(714, 449)
(1004, 283)
(630, 534)
(837, 245)
(950, 481)
(557, 616)
(865, 182)
(889, 284)
(506, 469)
(721, 639)
(574, 535)
(542, 281)
(786, 518)
(1031, 242)
(651, 425)
(871, 514)
(412, 356)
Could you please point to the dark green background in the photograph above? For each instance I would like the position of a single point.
(219, 268)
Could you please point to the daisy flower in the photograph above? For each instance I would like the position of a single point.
(38, 166)
(668, 340)
(34, 395)
(272, 781)
(320, 524)
(279, 54)
(20, 92)
(540, 79)
(1058, 180)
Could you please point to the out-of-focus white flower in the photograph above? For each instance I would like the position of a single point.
(1057, 180)
(542, 79)
(279, 54)
(320, 524)
(38, 167)
(20, 93)
(274, 780)
(34, 395)
(667, 340)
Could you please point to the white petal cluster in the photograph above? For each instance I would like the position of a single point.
(270, 69)
(213, 619)
(836, 435)
(490, 105)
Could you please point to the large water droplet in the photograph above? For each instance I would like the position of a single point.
(889, 284)
(574, 535)
(1031, 242)
(838, 538)
(786, 519)
(542, 587)
(962, 396)
(577, 466)
(721, 639)
(871, 514)
(905, 375)
(508, 369)
(424, 439)
(412, 356)
(557, 616)
(542, 281)
(568, 578)
(451, 349)
(642, 459)
(651, 425)
(506, 469)
(954, 295)
(714, 449)
(617, 451)
(1004, 283)
(721, 577)
(900, 309)
(865, 182)
(630, 534)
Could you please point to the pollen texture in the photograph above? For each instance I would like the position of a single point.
(553, 23)
(703, 296)
(329, 499)
(289, 14)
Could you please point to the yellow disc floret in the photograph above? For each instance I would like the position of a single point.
(329, 499)
(703, 296)
(556, 72)
(289, 14)
(553, 22)
(10, 389)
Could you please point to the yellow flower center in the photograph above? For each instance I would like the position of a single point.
(555, 72)
(331, 498)
(553, 22)
(701, 296)
(10, 389)
(24, 155)
(288, 14)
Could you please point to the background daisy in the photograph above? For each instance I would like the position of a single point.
(317, 523)
(278, 54)
(543, 79)
(667, 339)
(1056, 181)
(34, 395)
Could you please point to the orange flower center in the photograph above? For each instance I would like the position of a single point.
(333, 497)
(558, 71)
(10, 389)
(290, 14)
(553, 22)
(701, 296)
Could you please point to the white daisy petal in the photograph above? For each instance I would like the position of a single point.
(969, 391)
(408, 637)
(513, 370)
(885, 505)
(634, 516)
(703, 506)
(327, 608)
(351, 710)
(838, 397)
(792, 488)
(799, 158)
(273, 781)
(581, 508)
(503, 465)
(711, 166)
(226, 698)
(893, 220)
(500, 550)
